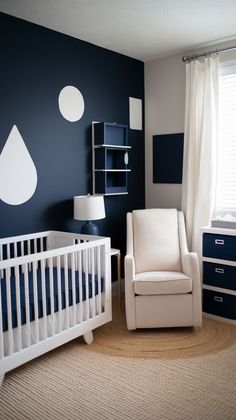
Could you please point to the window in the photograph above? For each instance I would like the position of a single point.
(226, 162)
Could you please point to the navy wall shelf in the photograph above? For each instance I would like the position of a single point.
(110, 158)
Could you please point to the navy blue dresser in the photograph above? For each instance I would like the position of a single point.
(219, 273)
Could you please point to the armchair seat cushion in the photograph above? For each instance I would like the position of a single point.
(162, 283)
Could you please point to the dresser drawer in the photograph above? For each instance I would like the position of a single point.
(219, 304)
(219, 246)
(219, 275)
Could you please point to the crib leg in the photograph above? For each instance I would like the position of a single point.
(1, 378)
(88, 337)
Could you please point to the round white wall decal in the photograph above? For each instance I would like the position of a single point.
(71, 103)
(18, 175)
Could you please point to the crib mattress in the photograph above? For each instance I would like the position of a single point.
(47, 292)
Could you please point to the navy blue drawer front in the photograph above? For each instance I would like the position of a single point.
(219, 246)
(219, 275)
(219, 304)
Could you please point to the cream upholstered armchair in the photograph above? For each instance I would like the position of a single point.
(162, 279)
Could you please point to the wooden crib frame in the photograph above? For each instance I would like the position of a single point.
(87, 254)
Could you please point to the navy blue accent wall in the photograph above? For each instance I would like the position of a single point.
(36, 63)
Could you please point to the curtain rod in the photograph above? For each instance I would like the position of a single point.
(193, 57)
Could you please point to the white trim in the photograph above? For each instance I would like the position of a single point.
(111, 146)
(219, 289)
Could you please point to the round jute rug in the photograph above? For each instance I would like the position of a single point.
(114, 339)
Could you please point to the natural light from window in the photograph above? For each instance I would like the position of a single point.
(226, 165)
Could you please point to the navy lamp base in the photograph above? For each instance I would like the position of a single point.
(89, 228)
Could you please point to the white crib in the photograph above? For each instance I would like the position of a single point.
(54, 287)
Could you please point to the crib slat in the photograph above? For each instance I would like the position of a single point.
(93, 282)
(36, 250)
(52, 307)
(29, 253)
(99, 279)
(15, 249)
(9, 311)
(86, 284)
(8, 251)
(43, 280)
(1, 324)
(18, 307)
(22, 248)
(73, 287)
(36, 308)
(79, 268)
(27, 307)
(59, 292)
(66, 290)
(41, 244)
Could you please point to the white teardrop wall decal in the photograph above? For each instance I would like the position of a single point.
(71, 103)
(18, 175)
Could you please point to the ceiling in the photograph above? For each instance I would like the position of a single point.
(143, 29)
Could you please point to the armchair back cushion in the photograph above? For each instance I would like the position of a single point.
(156, 240)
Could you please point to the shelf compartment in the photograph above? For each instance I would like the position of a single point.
(111, 182)
(110, 134)
(219, 304)
(110, 158)
(219, 275)
(219, 246)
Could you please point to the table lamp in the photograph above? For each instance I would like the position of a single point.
(88, 208)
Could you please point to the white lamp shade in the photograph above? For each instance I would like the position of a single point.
(89, 207)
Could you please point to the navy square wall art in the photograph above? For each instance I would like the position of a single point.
(168, 158)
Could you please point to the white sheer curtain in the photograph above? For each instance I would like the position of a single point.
(200, 145)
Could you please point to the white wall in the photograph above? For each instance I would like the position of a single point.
(164, 114)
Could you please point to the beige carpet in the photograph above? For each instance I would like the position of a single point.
(115, 340)
(77, 382)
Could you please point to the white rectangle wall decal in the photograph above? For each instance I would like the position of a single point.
(135, 113)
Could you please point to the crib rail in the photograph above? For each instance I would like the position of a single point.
(34, 243)
(50, 293)
(16, 246)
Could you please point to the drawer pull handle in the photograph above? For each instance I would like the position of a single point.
(218, 299)
(219, 241)
(219, 270)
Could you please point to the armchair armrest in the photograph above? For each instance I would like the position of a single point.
(191, 265)
(129, 292)
(129, 268)
(191, 268)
